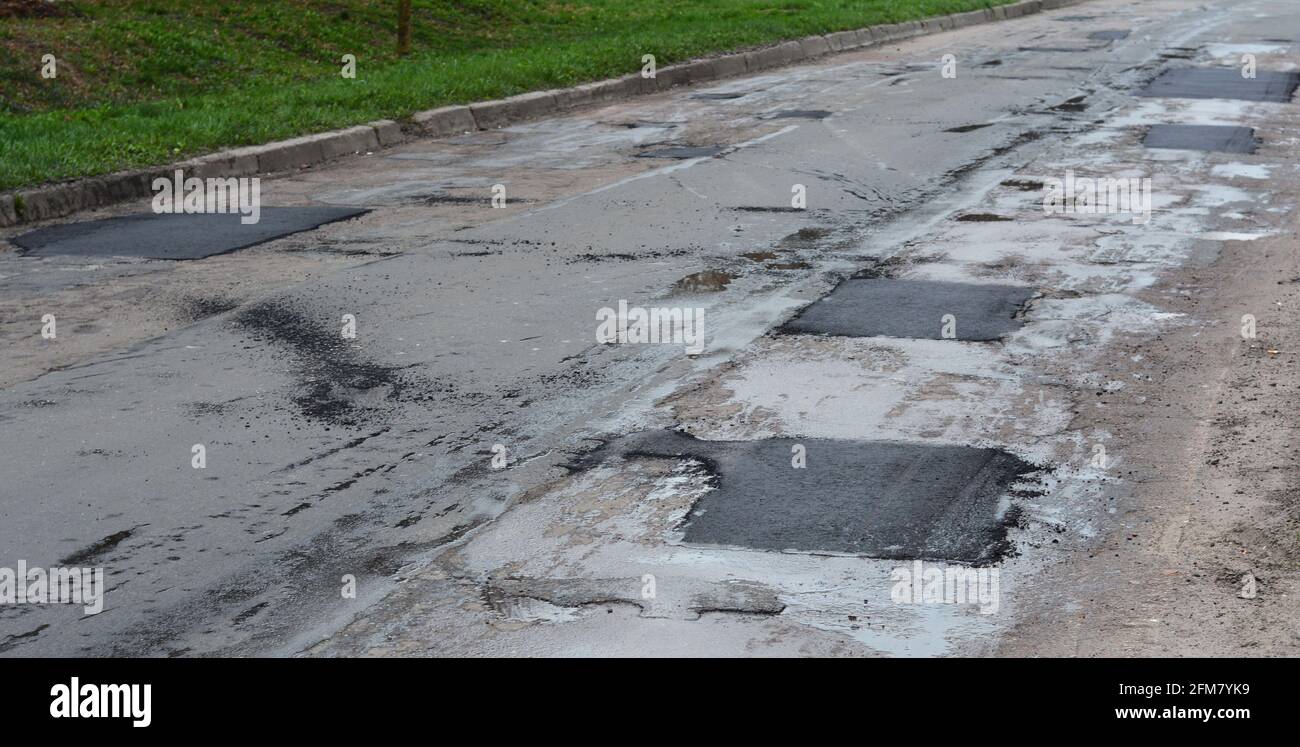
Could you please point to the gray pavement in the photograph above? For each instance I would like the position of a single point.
(372, 457)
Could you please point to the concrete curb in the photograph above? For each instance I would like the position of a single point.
(54, 201)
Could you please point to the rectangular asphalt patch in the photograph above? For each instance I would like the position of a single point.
(1222, 83)
(882, 307)
(1220, 138)
(879, 499)
(175, 235)
(685, 151)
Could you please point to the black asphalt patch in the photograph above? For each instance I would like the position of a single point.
(882, 307)
(719, 96)
(802, 114)
(175, 236)
(879, 499)
(1202, 137)
(1115, 35)
(1056, 49)
(686, 151)
(981, 218)
(1222, 83)
(968, 128)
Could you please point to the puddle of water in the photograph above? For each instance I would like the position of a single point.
(1223, 139)
(1222, 83)
(1109, 35)
(881, 307)
(708, 281)
(175, 235)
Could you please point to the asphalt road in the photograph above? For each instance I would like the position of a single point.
(373, 457)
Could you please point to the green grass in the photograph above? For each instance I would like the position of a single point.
(145, 82)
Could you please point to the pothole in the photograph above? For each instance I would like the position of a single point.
(804, 238)
(708, 281)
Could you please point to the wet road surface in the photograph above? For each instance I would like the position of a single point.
(449, 456)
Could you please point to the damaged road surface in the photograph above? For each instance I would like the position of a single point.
(882, 500)
(880, 307)
(386, 426)
(177, 235)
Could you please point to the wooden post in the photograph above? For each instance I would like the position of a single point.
(403, 27)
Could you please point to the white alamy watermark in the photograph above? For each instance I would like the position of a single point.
(75, 700)
(178, 194)
(667, 325)
(930, 583)
(23, 585)
(1087, 195)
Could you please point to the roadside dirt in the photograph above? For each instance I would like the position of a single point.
(1204, 441)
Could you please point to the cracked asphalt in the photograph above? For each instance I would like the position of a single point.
(469, 458)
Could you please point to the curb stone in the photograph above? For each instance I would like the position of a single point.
(448, 120)
(58, 200)
(731, 66)
(490, 115)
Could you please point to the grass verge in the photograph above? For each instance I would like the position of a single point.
(145, 82)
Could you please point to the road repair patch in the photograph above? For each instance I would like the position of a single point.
(802, 114)
(879, 499)
(175, 235)
(920, 309)
(685, 151)
(1225, 139)
(1222, 83)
